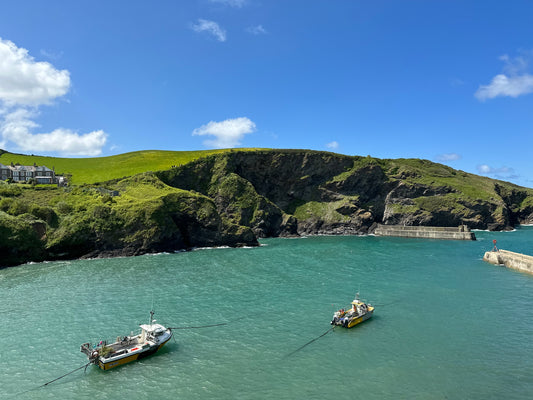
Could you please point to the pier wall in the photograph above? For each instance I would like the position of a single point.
(510, 259)
(461, 232)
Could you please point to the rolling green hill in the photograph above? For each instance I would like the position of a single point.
(100, 169)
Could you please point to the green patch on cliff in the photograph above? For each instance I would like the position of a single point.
(359, 163)
(439, 203)
(322, 210)
(431, 174)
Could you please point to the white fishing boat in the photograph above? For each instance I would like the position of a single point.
(359, 312)
(126, 349)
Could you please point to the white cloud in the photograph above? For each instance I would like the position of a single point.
(503, 85)
(256, 30)
(18, 125)
(448, 157)
(25, 85)
(228, 133)
(231, 3)
(23, 81)
(500, 173)
(332, 145)
(210, 27)
(514, 82)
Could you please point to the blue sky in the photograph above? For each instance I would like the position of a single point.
(450, 81)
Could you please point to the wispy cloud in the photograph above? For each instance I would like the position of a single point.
(231, 3)
(211, 27)
(513, 82)
(51, 55)
(332, 145)
(256, 30)
(448, 157)
(500, 173)
(503, 85)
(227, 133)
(25, 86)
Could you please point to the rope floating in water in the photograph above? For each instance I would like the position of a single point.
(83, 366)
(311, 341)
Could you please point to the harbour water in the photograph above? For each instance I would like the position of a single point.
(447, 325)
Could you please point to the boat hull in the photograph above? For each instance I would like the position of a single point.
(127, 358)
(358, 320)
(348, 322)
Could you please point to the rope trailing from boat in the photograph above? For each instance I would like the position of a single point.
(38, 387)
(309, 342)
(77, 369)
(197, 327)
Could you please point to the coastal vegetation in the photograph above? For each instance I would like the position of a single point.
(153, 201)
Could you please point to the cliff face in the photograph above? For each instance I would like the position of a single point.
(279, 193)
(233, 198)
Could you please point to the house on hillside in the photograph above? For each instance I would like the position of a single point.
(5, 172)
(23, 173)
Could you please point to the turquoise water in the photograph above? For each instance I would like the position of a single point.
(447, 325)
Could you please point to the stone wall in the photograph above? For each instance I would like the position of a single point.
(510, 259)
(461, 232)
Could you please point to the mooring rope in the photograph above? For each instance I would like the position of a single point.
(47, 383)
(311, 341)
(83, 366)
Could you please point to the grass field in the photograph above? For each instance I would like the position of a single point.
(100, 169)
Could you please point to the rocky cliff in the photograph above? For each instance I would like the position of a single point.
(233, 198)
(279, 193)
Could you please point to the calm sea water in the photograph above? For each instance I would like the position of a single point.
(446, 325)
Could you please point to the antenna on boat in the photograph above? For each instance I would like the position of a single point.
(152, 309)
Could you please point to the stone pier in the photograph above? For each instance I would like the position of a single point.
(462, 232)
(520, 262)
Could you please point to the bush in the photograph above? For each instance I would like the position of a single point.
(10, 191)
(6, 203)
(46, 214)
(19, 207)
(63, 208)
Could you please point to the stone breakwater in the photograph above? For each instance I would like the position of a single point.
(461, 232)
(520, 262)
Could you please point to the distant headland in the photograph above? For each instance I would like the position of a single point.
(152, 201)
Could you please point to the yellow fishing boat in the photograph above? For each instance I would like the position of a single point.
(128, 348)
(359, 312)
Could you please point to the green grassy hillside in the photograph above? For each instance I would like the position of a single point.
(100, 169)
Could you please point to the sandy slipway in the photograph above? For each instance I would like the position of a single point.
(234, 198)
